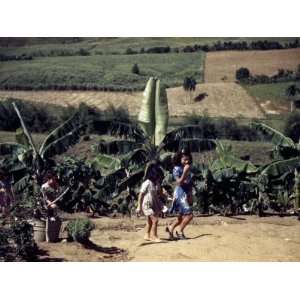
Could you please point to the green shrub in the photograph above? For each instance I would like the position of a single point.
(135, 69)
(242, 73)
(16, 242)
(80, 229)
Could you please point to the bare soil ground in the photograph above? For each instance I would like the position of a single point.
(244, 238)
(223, 99)
(225, 63)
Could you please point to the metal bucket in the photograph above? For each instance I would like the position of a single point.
(39, 232)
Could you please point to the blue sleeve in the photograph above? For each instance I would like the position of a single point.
(177, 172)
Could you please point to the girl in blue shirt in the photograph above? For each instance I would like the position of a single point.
(182, 194)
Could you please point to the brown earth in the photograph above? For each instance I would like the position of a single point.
(223, 64)
(246, 238)
(223, 99)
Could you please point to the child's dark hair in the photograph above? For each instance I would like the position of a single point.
(151, 171)
(177, 157)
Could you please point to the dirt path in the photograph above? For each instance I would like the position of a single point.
(210, 239)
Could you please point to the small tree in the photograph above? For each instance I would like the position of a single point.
(189, 85)
(291, 92)
(135, 69)
(242, 73)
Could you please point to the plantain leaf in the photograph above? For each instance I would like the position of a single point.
(227, 160)
(103, 161)
(146, 116)
(184, 132)
(21, 184)
(22, 138)
(117, 147)
(278, 168)
(132, 180)
(277, 138)
(119, 129)
(62, 144)
(161, 113)
(11, 149)
(25, 130)
(72, 125)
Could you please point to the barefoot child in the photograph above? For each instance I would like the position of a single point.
(149, 202)
(182, 194)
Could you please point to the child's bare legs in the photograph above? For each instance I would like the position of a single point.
(175, 224)
(148, 228)
(185, 221)
(154, 235)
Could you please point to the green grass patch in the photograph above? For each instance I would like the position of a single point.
(100, 71)
(274, 92)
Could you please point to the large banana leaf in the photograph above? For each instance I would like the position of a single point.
(112, 178)
(278, 168)
(161, 113)
(103, 161)
(22, 138)
(25, 130)
(117, 147)
(132, 180)
(11, 149)
(11, 164)
(21, 184)
(135, 159)
(61, 144)
(184, 132)
(70, 127)
(194, 145)
(227, 160)
(146, 116)
(277, 138)
(119, 129)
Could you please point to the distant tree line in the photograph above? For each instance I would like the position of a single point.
(243, 75)
(69, 87)
(4, 57)
(219, 46)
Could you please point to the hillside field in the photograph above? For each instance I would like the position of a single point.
(100, 71)
(223, 99)
(225, 63)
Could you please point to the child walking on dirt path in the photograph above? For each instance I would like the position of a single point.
(182, 201)
(149, 202)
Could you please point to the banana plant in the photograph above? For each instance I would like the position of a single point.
(25, 155)
(148, 139)
(284, 147)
